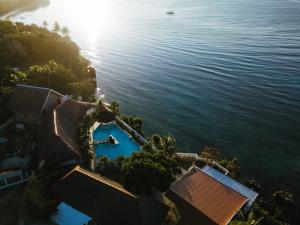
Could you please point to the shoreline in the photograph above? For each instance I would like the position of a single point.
(14, 9)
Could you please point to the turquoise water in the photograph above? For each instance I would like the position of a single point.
(125, 147)
(217, 72)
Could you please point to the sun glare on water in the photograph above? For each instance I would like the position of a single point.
(95, 16)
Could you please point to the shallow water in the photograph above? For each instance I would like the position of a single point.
(217, 72)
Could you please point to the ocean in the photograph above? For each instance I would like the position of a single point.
(216, 72)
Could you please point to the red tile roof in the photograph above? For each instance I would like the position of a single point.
(212, 198)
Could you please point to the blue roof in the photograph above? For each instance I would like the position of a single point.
(67, 215)
(234, 185)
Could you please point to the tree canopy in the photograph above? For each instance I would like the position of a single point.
(34, 55)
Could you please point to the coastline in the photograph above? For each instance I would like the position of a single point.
(11, 9)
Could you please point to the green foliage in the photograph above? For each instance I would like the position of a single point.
(143, 172)
(135, 122)
(211, 152)
(169, 144)
(165, 143)
(46, 59)
(8, 79)
(9, 5)
(51, 75)
(114, 106)
(45, 24)
(157, 141)
(25, 45)
(250, 220)
(87, 151)
(38, 199)
(56, 27)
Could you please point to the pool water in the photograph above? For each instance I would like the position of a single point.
(125, 147)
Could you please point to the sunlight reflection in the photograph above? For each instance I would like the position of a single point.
(96, 16)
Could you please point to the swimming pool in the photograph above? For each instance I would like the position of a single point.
(125, 147)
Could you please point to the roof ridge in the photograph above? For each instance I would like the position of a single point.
(100, 178)
(215, 180)
(39, 87)
(60, 136)
(31, 86)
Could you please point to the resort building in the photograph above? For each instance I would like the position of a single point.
(57, 116)
(208, 197)
(106, 201)
(30, 104)
(58, 140)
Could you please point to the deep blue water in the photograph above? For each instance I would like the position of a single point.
(125, 147)
(217, 72)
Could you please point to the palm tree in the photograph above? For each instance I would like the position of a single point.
(114, 106)
(169, 143)
(137, 123)
(65, 31)
(157, 141)
(45, 24)
(56, 27)
(100, 106)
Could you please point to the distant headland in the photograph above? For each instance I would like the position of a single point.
(7, 6)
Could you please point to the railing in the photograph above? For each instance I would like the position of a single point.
(183, 154)
(135, 133)
(19, 175)
(197, 157)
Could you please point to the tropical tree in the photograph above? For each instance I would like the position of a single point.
(56, 27)
(51, 75)
(100, 106)
(169, 144)
(211, 152)
(65, 31)
(45, 24)
(157, 141)
(250, 220)
(143, 172)
(137, 123)
(114, 106)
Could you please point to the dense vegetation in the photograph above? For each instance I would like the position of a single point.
(34, 55)
(142, 172)
(7, 6)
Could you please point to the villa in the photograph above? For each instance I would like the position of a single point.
(208, 197)
(30, 104)
(105, 201)
(57, 117)
(58, 139)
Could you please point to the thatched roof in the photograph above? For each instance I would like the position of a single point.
(58, 139)
(107, 201)
(29, 99)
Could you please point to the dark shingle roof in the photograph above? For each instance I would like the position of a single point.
(28, 99)
(67, 118)
(58, 139)
(98, 197)
(106, 201)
